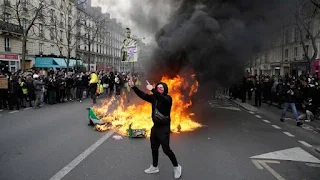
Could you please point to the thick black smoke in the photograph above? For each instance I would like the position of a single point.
(215, 38)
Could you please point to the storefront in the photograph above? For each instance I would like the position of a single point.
(51, 62)
(275, 69)
(299, 68)
(285, 69)
(265, 69)
(10, 62)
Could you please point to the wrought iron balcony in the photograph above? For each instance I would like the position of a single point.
(10, 28)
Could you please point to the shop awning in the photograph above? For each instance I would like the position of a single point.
(50, 62)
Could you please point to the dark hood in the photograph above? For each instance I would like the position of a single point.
(165, 86)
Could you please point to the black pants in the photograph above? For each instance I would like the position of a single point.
(93, 90)
(257, 99)
(161, 135)
(80, 93)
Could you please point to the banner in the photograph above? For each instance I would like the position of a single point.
(129, 50)
(3, 83)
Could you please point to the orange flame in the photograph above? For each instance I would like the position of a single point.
(140, 115)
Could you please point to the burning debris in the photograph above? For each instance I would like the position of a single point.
(135, 120)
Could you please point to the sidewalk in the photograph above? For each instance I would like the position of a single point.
(246, 106)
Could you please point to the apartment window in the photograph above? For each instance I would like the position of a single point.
(61, 32)
(6, 17)
(286, 54)
(85, 47)
(70, 8)
(40, 30)
(61, 20)
(100, 49)
(307, 50)
(24, 23)
(296, 34)
(41, 48)
(7, 44)
(52, 34)
(52, 49)
(52, 13)
(60, 49)
(295, 51)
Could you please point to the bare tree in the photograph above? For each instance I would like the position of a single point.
(94, 24)
(63, 29)
(315, 3)
(306, 16)
(26, 14)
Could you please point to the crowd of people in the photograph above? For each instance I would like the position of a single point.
(295, 92)
(33, 88)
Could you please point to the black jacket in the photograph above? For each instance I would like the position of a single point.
(164, 102)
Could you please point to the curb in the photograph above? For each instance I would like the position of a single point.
(317, 149)
(244, 105)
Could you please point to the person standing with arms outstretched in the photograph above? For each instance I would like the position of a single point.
(160, 132)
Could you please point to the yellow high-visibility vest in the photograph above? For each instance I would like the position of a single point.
(94, 78)
(24, 90)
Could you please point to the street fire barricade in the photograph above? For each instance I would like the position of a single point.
(101, 126)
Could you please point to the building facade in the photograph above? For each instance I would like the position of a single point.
(63, 29)
(53, 16)
(100, 39)
(283, 52)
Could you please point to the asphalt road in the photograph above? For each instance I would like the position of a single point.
(38, 143)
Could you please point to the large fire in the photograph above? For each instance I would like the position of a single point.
(139, 115)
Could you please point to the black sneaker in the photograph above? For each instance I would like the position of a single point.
(299, 123)
(282, 120)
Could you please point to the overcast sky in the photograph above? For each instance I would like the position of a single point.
(144, 17)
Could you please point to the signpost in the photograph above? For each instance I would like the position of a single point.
(3, 83)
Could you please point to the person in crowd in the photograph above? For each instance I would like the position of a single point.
(290, 98)
(257, 93)
(93, 84)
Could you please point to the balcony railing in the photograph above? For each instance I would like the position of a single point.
(10, 28)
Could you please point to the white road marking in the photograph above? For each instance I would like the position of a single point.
(212, 105)
(257, 164)
(11, 112)
(313, 165)
(266, 121)
(305, 143)
(64, 171)
(275, 126)
(251, 112)
(288, 134)
(28, 108)
(274, 173)
(258, 116)
(292, 154)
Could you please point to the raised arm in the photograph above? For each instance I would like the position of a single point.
(142, 95)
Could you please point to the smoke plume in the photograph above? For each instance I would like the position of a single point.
(214, 38)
